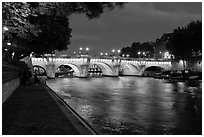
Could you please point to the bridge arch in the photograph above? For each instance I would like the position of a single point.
(150, 70)
(129, 69)
(105, 68)
(154, 68)
(73, 66)
(40, 70)
(63, 65)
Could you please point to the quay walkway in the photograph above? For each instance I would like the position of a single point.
(37, 110)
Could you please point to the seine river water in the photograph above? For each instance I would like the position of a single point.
(134, 105)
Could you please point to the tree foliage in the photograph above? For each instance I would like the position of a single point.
(145, 47)
(184, 42)
(43, 27)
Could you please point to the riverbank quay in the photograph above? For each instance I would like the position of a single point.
(35, 110)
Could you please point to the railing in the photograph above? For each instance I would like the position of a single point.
(9, 72)
(108, 60)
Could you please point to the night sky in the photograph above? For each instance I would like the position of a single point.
(134, 22)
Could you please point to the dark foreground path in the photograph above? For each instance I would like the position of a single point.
(31, 110)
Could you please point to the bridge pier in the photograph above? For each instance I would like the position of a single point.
(50, 69)
(116, 67)
(115, 70)
(83, 71)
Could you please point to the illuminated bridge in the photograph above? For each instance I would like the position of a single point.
(109, 67)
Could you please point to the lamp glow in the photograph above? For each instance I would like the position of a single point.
(5, 28)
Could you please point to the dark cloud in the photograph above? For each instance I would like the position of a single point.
(135, 22)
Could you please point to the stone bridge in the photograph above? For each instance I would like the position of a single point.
(109, 67)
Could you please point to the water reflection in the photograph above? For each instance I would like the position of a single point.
(133, 105)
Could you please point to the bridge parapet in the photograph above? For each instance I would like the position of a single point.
(143, 62)
(101, 60)
(71, 59)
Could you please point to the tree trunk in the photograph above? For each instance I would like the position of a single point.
(184, 66)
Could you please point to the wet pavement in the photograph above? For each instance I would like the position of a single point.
(31, 110)
(134, 105)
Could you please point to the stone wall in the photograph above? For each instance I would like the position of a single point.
(10, 79)
(9, 87)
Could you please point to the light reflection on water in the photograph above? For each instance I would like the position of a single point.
(134, 105)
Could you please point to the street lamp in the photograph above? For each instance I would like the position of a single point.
(138, 53)
(8, 43)
(101, 53)
(113, 51)
(118, 51)
(80, 52)
(87, 49)
(128, 55)
(123, 55)
(106, 53)
(144, 54)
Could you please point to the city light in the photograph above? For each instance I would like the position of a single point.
(87, 49)
(13, 54)
(143, 53)
(9, 43)
(80, 48)
(101, 53)
(167, 55)
(74, 52)
(31, 54)
(5, 28)
(118, 51)
(123, 55)
(106, 53)
(138, 53)
(113, 50)
(128, 55)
